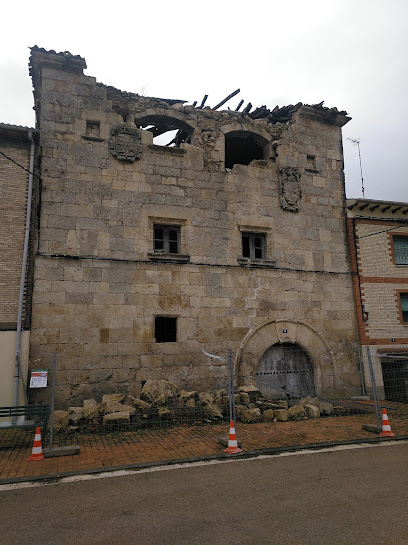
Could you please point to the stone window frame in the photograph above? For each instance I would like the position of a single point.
(252, 262)
(179, 257)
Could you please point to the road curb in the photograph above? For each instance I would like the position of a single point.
(55, 477)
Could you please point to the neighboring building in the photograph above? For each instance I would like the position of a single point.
(16, 146)
(234, 237)
(378, 235)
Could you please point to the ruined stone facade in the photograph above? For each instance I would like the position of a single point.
(138, 241)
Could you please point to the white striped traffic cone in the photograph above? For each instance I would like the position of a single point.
(37, 453)
(232, 441)
(386, 428)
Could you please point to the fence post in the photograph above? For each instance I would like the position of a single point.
(374, 387)
(54, 367)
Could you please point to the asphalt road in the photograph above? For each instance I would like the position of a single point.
(357, 496)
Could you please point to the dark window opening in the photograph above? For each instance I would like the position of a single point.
(400, 250)
(167, 131)
(241, 148)
(310, 162)
(167, 239)
(404, 306)
(165, 329)
(254, 245)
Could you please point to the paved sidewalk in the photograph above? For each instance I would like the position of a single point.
(120, 449)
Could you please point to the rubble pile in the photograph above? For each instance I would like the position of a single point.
(161, 401)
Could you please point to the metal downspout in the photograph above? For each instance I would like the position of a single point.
(17, 368)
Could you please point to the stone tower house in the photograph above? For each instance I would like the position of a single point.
(233, 237)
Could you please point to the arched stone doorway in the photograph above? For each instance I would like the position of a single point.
(285, 371)
(259, 340)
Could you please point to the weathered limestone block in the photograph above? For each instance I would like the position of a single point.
(157, 391)
(112, 398)
(117, 418)
(213, 411)
(133, 401)
(75, 414)
(326, 408)
(221, 393)
(250, 415)
(244, 398)
(61, 420)
(90, 409)
(281, 415)
(239, 409)
(279, 404)
(253, 392)
(312, 411)
(205, 398)
(115, 407)
(268, 415)
(297, 412)
(185, 395)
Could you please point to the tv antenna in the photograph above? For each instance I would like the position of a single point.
(356, 142)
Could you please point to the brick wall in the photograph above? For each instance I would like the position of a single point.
(13, 202)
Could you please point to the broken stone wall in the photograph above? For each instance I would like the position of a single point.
(99, 284)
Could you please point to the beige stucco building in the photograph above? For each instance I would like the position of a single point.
(234, 237)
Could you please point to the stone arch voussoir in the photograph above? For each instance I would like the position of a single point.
(258, 340)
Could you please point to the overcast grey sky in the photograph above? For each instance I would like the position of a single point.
(350, 53)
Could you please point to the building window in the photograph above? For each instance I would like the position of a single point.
(400, 250)
(166, 239)
(254, 245)
(404, 307)
(242, 147)
(165, 329)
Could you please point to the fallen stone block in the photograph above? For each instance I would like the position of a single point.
(281, 415)
(116, 418)
(268, 415)
(312, 411)
(250, 415)
(297, 412)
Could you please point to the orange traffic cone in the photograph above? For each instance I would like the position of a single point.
(232, 441)
(386, 428)
(37, 453)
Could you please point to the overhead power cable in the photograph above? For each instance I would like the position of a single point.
(18, 164)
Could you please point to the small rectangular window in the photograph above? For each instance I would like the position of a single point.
(165, 329)
(400, 250)
(254, 245)
(404, 306)
(167, 239)
(93, 128)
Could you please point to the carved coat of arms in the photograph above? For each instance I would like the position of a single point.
(126, 143)
(290, 192)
